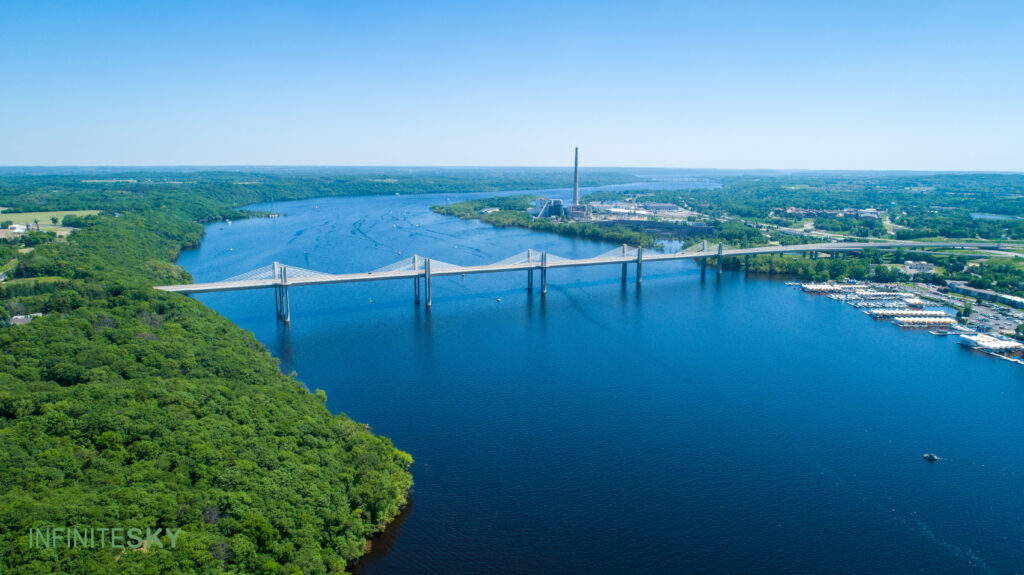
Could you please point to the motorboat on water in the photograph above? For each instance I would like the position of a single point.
(931, 457)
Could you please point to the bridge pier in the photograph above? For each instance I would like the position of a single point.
(720, 258)
(529, 272)
(287, 307)
(703, 265)
(639, 265)
(543, 273)
(416, 280)
(624, 272)
(426, 279)
(277, 291)
(286, 302)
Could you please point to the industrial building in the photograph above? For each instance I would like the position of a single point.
(986, 294)
(547, 208)
(552, 208)
(577, 211)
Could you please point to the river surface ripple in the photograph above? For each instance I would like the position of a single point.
(696, 424)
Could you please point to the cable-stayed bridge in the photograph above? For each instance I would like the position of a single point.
(281, 277)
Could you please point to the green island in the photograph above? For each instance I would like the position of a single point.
(124, 406)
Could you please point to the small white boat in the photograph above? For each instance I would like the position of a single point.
(931, 457)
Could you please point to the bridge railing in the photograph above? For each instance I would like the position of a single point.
(281, 277)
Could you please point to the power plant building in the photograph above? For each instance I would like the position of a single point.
(547, 208)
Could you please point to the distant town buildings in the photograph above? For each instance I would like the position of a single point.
(912, 267)
(660, 207)
(863, 214)
(986, 294)
(630, 209)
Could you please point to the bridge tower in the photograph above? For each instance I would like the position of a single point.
(416, 280)
(284, 304)
(426, 279)
(277, 290)
(543, 273)
(639, 265)
(624, 253)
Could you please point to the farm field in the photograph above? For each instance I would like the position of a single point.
(42, 217)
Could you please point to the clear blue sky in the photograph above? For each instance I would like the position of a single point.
(930, 85)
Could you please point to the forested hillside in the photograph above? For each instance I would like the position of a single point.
(123, 406)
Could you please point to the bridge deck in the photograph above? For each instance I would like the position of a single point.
(560, 263)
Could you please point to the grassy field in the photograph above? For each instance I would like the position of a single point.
(43, 217)
(37, 280)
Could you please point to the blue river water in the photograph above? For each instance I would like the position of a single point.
(695, 425)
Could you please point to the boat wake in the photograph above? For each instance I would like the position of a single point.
(963, 552)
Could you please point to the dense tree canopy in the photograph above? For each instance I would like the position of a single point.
(123, 406)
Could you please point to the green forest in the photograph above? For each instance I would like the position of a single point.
(126, 406)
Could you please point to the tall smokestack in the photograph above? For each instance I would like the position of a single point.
(576, 180)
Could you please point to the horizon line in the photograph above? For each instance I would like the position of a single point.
(484, 166)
